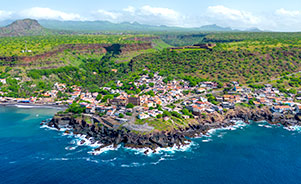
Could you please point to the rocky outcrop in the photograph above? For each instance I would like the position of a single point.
(126, 48)
(115, 136)
(175, 137)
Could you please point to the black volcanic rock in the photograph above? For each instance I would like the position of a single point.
(153, 140)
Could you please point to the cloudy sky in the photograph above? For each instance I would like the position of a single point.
(276, 15)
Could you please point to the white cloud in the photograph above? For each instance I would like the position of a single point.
(108, 15)
(130, 9)
(145, 15)
(161, 12)
(47, 13)
(277, 20)
(293, 13)
(232, 15)
(5, 14)
(287, 20)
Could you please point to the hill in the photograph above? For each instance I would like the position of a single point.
(215, 27)
(25, 27)
(106, 26)
(256, 57)
(30, 27)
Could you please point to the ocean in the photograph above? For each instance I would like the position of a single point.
(254, 153)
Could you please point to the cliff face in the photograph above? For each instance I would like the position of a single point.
(147, 39)
(108, 136)
(99, 48)
(126, 48)
(101, 133)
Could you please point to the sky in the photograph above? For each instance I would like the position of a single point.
(274, 15)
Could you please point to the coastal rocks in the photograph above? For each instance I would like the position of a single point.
(108, 136)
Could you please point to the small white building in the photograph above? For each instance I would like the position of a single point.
(3, 81)
(143, 116)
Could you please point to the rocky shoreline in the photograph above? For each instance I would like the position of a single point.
(100, 134)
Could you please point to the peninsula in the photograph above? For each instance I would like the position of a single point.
(169, 114)
(150, 90)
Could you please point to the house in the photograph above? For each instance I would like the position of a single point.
(227, 105)
(3, 81)
(200, 90)
(219, 99)
(143, 115)
(281, 109)
(110, 112)
(88, 109)
(134, 100)
(256, 103)
(185, 116)
(196, 110)
(290, 103)
(118, 101)
(166, 118)
(228, 97)
(235, 83)
(238, 89)
(209, 110)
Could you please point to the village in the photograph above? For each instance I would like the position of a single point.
(177, 96)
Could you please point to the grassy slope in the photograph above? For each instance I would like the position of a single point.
(223, 64)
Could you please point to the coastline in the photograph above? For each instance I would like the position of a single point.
(31, 105)
(100, 134)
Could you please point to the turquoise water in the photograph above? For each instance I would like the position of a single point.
(249, 154)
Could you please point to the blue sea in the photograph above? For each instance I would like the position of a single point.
(254, 153)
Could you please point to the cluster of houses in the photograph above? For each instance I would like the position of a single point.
(168, 95)
(267, 96)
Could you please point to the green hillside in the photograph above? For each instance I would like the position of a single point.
(253, 58)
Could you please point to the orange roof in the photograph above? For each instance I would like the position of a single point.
(194, 106)
(227, 96)
(282, 107)
(287, 102)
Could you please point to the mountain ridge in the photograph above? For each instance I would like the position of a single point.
(31, 27)
(127, 26)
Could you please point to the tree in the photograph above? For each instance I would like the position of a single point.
(166, 113)
(129, 106)
(99, 96)
(151, 84)
(76, 108)
(151, 93)
(251, 102)
(293, 91)
(151, 75)
(106, 97)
